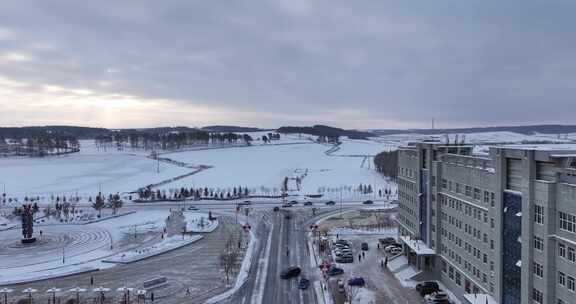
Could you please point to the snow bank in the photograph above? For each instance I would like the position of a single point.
(166, 245)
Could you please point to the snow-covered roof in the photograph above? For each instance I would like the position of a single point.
(419, 247)
(479, 299)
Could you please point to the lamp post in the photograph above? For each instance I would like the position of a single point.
(77, 290)
(5, 292)
(53, 291)
(29, 291)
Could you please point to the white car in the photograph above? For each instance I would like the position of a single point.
(390, 247)
(396, 251)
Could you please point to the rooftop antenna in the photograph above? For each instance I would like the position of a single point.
(456, 140)
(432, 123)
(463, 138)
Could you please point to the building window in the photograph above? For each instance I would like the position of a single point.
(492, 199)
(538, 270)
(561, 278)
(571, 254)
(567, 221)
(468, 191)
(561, 250)
(538, 243)
(444, 183)
(477, 194)
(571, 283)
(539, 214)
(537, 296)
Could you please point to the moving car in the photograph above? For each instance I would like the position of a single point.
(358, 281)
(308, 203)
(427, 287)
(330, 203)
(438, 298)
(286, 206)
(293, 202)
(290, 272)
(245, 203)
(193, 208)
(276, 208)
(368, 202)
(364, 246)
(303, 283)
(341, 286)
(334, 271)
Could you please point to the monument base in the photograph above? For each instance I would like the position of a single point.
(29, 241)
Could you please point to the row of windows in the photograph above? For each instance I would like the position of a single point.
(477, 194)
(461, 280)
(567, 221)
(407, 172)
(567, 252)
(406, 221)
(466, 209)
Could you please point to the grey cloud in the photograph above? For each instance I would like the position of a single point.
(466, 63)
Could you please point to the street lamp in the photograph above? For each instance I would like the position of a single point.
(77, 290)
(29, 291)
(5, 292)
(101, 290)
(53, 291)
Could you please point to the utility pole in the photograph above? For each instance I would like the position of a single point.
(340, 202)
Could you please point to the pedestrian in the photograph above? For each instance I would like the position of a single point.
(378, 245)
(386, 262)
(359, 258)
(91, 280)
(152, 296)
(337, 235)
(363, 254)
(187, 291)
(382, 263)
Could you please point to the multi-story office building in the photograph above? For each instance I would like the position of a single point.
(501, 225)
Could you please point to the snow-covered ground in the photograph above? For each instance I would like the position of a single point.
(73, 248)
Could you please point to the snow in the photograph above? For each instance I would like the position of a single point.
(480, 299)
(166, 245)
(419, 247)
(364, 296)
(76, 248)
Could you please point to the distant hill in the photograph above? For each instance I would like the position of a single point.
(320, 130)
(234, 129)
(527, 130)
(38, 131)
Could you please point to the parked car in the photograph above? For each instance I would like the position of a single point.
(358, 281)
(364, 246)
(341, 241)
(192, 208)
(345, 259)
(391, 247)
(303, 283)
(245, 203)
(334, 271)
(330, 203)
(290, 272)
(286, 206)
(308, 203)
(396, 250)
(387, 241)
(276, 208)
(293, 202)
(438, 298)
(368, 202)
(427, 287)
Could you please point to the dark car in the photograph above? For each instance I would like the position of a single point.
(330, 203)
(303, 283)
(334, 271)
(308, 203)
(368, 202)
(293, 202)
(427, 287)
(287, 216)
(356, 282)
(387, 241)
(364, 246)
(290, 272)
(245, 203)
(276, 208)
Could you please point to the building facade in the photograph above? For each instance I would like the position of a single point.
(501, 225)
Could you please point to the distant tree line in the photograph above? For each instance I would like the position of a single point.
(168, 141)
(38, 146)
(183, 193)
(387, 163)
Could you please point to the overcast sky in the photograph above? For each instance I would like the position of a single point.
(267, 63)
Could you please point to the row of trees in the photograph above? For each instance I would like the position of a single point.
(387, 163)
(174, 140)
(194, 193)
(45, 145)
